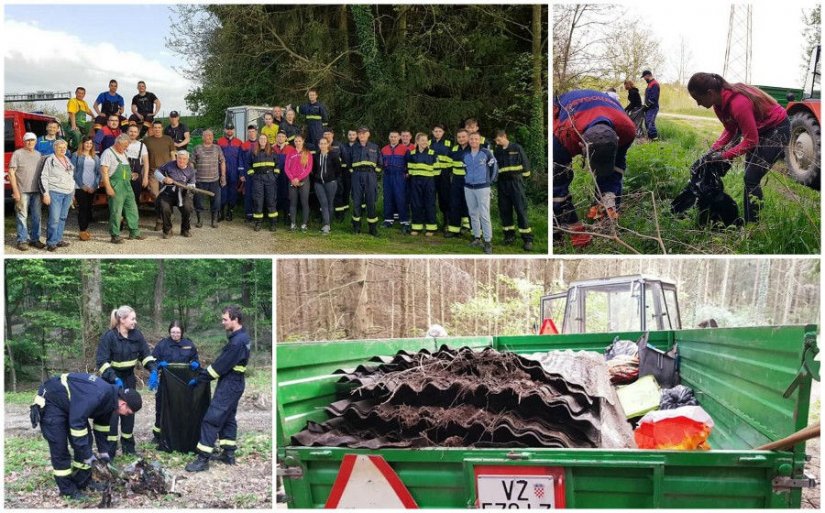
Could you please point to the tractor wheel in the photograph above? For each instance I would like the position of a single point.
(804, 153)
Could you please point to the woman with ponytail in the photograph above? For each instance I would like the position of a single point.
(118, 353)
(755, 126)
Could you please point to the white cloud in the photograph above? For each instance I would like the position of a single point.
(37, 59)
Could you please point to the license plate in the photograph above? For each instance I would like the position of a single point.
(515, 492)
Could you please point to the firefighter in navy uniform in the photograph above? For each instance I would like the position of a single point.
(459, 216)
(316, 115)
(219, 422)
(422, 166)
(365, 164)
(63, 406)
(512, 167)
(173, 351)
(118, 353)
(343, 193)
(442, 147)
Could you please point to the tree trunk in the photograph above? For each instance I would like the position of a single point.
(12, 369)
(160, 293)
(429, 295)
(358, 303)
(91, 309)
(790, 291)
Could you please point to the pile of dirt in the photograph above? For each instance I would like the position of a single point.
(141, 477)
(466, 398)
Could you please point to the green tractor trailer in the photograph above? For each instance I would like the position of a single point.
(755, 383)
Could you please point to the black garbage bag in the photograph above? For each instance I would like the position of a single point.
(676, 397)
(706, 191)
(182, 409)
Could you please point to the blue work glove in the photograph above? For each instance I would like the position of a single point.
(163, 364)
(153, 380)
(193, 382)
(194, 365)
(119, 382)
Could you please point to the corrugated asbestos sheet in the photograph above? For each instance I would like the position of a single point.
(467, 398)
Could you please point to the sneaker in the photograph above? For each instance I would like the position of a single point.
(84, 236)
(476, 242)
(22, 246)
(414, 232)
(450, 235)
(186, 234)
(36, 244)
(62, 244)
(137, 237)
(325, 229)
(303, 228)
(488, 248)
(292, 227)
(51, 248)
(429, 234)
(116, 239)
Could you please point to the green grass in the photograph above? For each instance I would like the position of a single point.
(790, 216)
(23, 397)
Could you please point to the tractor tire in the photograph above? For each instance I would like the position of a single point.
(803, 155)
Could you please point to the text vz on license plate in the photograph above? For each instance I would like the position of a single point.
(515, 492)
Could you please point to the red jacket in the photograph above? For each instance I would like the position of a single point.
(738, 114)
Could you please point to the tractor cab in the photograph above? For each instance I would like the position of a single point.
(621, 304)
(243, 116)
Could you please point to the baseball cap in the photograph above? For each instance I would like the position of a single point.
(174, 114)
(646, 72)
(29, 136)
(602, 145)
(132, 398)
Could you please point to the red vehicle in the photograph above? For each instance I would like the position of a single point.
(804, 155)
(16, 124)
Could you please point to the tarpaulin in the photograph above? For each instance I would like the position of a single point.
(182, 409)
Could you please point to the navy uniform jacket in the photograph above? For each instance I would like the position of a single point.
(233, 358)
(182, 351)
(442, 148)
(512, 161)
(90, 397)
(117, 356)
(365, 158)
(457, 158)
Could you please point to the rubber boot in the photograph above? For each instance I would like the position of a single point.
(200, 464)
(373, 229)
(509, 237)
(273, 225)
(198, 222)
(356, 227)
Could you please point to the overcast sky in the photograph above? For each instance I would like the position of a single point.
(777, 36)
(60, 47)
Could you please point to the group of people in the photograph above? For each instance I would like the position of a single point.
(594, 124)
(642, 114)
(64, 404)
(274, 169)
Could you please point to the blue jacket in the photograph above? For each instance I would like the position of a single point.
(117, 356)
(90, 397)
(482, 170)
(77, 162)
(652, 95)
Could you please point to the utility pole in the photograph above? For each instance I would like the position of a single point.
(739, 49)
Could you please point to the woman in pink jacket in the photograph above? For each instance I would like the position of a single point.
(297, 167)
(755, 126)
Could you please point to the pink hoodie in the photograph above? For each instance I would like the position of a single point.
(737, 115)
(294, 169)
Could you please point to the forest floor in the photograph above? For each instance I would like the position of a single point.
(238, 238)
(658, 171)
(248, 484)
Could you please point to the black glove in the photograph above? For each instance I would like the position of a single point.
(714, 156)
(34, 415)
(109, 375)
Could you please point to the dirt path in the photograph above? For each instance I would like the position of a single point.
(245, 485)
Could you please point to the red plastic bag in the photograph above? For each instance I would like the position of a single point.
(684, 429)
